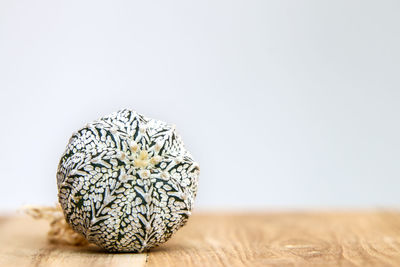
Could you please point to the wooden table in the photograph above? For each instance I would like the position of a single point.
(253, 239)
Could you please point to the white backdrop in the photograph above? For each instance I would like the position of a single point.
(283, 103)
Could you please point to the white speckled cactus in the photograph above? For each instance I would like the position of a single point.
(126, 182)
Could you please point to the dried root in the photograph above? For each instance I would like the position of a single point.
(60, 232)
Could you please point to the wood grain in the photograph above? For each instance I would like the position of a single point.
(253, 239)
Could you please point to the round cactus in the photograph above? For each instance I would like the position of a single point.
(126, 182)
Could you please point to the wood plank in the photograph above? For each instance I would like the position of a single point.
(210, 239)
(285, 239)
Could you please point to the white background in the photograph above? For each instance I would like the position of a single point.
(285, 104)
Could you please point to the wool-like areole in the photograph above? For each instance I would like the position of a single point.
(126, 182)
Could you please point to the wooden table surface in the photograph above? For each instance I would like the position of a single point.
(253, 239)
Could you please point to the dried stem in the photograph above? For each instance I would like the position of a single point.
(60, 232)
